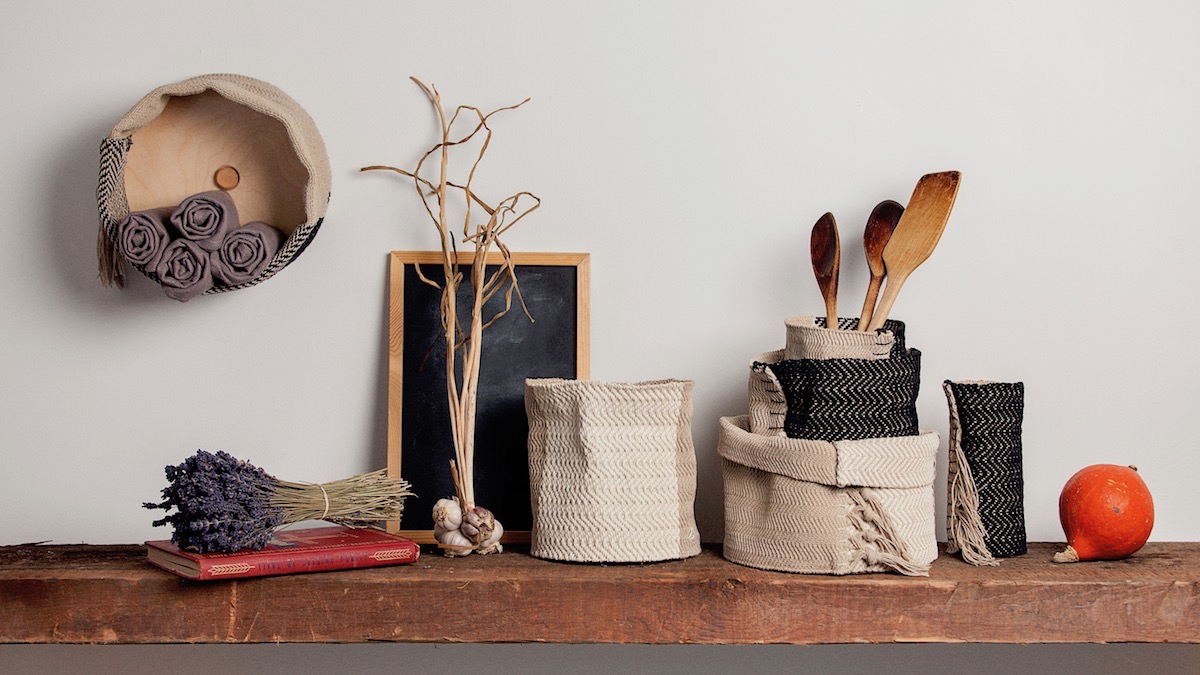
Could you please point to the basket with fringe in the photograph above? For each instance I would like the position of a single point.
(296, 171)
(612, 470)
(985, 515)
(822, 507)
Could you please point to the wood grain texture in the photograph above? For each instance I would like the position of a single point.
(179, 153)
(109, 594)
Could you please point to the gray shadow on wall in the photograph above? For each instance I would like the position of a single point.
(68, 243)
(379, 437)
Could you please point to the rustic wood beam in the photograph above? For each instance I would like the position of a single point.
(109, 594)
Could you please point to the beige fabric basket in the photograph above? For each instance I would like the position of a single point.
(808, 338)
(818, 507)
(612, 470)
(173, 141)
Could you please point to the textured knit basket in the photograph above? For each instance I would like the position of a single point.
(843, 384)
(187, 138)
(985, 516)
(808, 338)
(612, 470)
(828, 473)
(821, 507)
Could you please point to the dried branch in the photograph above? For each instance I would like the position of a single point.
(463, 344)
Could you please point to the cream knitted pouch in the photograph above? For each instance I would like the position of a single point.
(612, 470)
(822, 507)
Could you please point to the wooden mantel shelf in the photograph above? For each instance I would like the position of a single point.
(109, 594)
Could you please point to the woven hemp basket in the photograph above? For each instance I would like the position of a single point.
(862, 502)
(190, 137)
(985, 515)
(612, 470)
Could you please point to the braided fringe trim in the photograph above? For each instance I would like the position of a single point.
(110, 201)
(964, 528)
(874, 538)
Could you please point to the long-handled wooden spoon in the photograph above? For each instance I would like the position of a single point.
(876, 235)
(917, 235)
(827, 261)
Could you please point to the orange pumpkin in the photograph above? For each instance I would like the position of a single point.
(1106, 512)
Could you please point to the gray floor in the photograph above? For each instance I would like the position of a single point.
(583, 659)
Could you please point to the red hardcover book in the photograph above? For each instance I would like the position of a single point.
(318, 549)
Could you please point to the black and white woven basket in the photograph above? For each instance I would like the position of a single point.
(305, 149)
(985, 518)
(846, 385)
(828, 474)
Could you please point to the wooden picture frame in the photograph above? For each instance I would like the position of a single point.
(555, 287)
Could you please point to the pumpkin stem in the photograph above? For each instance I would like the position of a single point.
(1069, 555)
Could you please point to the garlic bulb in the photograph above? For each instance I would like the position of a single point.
(482, 527)
(447, 514)
(459, 532)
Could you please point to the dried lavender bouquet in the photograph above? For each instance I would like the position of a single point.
(223, 504)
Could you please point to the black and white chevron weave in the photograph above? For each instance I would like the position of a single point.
(850, 399)
(989, 417)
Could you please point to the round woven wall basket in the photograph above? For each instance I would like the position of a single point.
(225, 135)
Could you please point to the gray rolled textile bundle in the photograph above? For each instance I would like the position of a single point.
(185, 270)
(245, 252)
(985, 517)
(192, 248)
(142, 236)
(205, 218)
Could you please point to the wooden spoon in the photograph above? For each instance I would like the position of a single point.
(917, 235)
(826, 262)
(876, 235)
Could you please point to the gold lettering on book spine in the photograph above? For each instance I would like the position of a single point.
(230, 568)
(395, 554)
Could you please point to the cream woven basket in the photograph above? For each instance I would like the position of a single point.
(612, 470)
(821, 507)
(803, 504)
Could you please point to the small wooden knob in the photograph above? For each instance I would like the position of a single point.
(227, 177)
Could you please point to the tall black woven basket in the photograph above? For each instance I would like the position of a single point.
(986, 494)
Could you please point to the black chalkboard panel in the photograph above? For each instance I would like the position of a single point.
(554, 344)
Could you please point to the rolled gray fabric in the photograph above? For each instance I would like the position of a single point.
(142, 237)
(205, 218)
(245, 252)
(184, 271)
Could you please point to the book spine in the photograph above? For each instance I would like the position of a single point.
(320, 560)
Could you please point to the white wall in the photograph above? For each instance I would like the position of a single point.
(688, 147)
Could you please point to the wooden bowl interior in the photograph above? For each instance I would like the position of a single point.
(179, 153)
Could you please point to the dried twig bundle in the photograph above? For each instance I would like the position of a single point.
(223, 504)
(482, 232)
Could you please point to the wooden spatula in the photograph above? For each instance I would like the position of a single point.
(917, 235)
(826, 253)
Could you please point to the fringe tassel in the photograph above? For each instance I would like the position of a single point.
(875, 537)
(964, 528)
(110, 260)
(113, 206)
